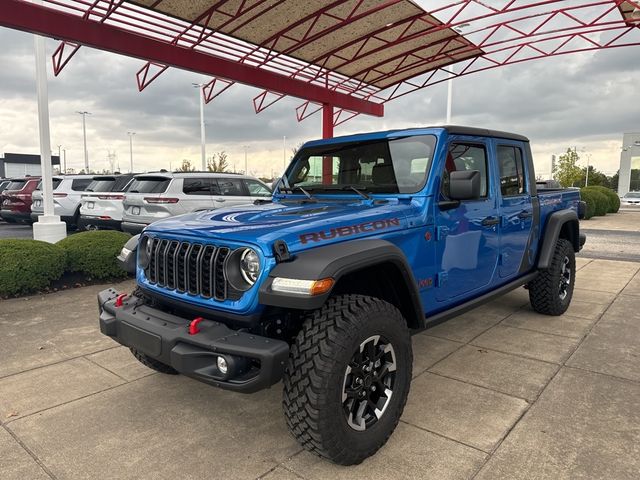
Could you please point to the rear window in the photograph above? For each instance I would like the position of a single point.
(80, 184)
(102, 184)
(149, 185)
(56, 183)
(121, 183)
(16, 184)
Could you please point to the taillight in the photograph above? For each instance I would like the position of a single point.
(60, 195)
(160, 200)
(111, 197)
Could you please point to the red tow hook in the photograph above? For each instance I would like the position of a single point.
(193, 326)
(119, 299)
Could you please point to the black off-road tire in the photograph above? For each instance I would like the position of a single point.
(152, 363)
(545, 291)
(316, 377)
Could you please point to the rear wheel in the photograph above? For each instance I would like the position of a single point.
(348, 377)
(551, 291)
(152, 363)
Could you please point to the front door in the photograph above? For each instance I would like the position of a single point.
(467, 235)
(516, 210)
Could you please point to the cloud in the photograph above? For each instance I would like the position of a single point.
(587, 100)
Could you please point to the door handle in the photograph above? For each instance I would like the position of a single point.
(490, 221)
(525, 214)
(219, 200)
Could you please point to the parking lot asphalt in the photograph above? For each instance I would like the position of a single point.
(15, 230)
(498, 393)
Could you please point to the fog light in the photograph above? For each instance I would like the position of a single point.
(222, 365)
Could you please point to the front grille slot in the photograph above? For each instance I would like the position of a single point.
(189, 268)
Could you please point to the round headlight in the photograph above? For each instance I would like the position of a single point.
(250, 266)
(242, 268)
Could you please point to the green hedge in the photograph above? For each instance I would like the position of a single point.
(28, 265)
(614, 200)
(94, 253)
(597, 202)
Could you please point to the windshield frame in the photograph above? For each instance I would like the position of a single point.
(286, 187)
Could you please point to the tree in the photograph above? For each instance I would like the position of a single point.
(186, 166)
(567, 172)
(220, 165)
(595, 178)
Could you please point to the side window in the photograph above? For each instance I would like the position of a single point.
(461, 157)
(231, 187)
(80, 184)
(196, 186)
(511, 170)
(256, 189)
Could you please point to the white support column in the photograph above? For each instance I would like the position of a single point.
(48, 228)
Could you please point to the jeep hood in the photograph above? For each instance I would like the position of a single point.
(301, 225)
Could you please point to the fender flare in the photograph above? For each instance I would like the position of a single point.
(335, 261)
(553, 227)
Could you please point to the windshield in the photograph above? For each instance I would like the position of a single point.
(382, 166)
(632, 195)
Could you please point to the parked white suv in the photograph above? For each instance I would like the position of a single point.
(101, 204)
(153, 196)
(67, 193)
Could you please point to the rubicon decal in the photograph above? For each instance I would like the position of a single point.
(349, 230)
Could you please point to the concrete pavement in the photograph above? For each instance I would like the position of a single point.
(499, 392)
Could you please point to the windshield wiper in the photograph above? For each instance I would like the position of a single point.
(298, 187)
(366, 196)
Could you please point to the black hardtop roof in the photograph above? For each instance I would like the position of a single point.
(483, 132)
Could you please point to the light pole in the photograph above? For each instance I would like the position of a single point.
(284, 153)
(84, 136)
(64, 161)
(60, 158)
(203, 149)
(588, 155)
(458, 29)
(246, 168)
(48, 228)
(131, 134)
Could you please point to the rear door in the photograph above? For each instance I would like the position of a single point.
(516, 209)
(230, 191)
(197, 194)
(467, 236)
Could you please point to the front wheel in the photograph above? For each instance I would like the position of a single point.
(551, 291)
(348, 377)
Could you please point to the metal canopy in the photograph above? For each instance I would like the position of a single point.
(355, 55)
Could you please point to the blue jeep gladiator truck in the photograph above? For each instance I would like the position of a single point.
(368, 239)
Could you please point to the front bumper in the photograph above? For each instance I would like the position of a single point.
(258, 361)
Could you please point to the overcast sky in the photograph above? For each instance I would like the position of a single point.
(586, 100)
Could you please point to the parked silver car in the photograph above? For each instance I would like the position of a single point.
(152, 197)
(631, 199)
(67, 193)
(101, 204)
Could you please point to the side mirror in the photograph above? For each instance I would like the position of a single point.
(464, 185)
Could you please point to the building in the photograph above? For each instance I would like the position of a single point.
(21, 164)
(630, 152)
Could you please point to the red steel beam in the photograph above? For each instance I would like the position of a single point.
(32, 18)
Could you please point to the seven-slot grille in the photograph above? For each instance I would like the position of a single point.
(189, 268)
